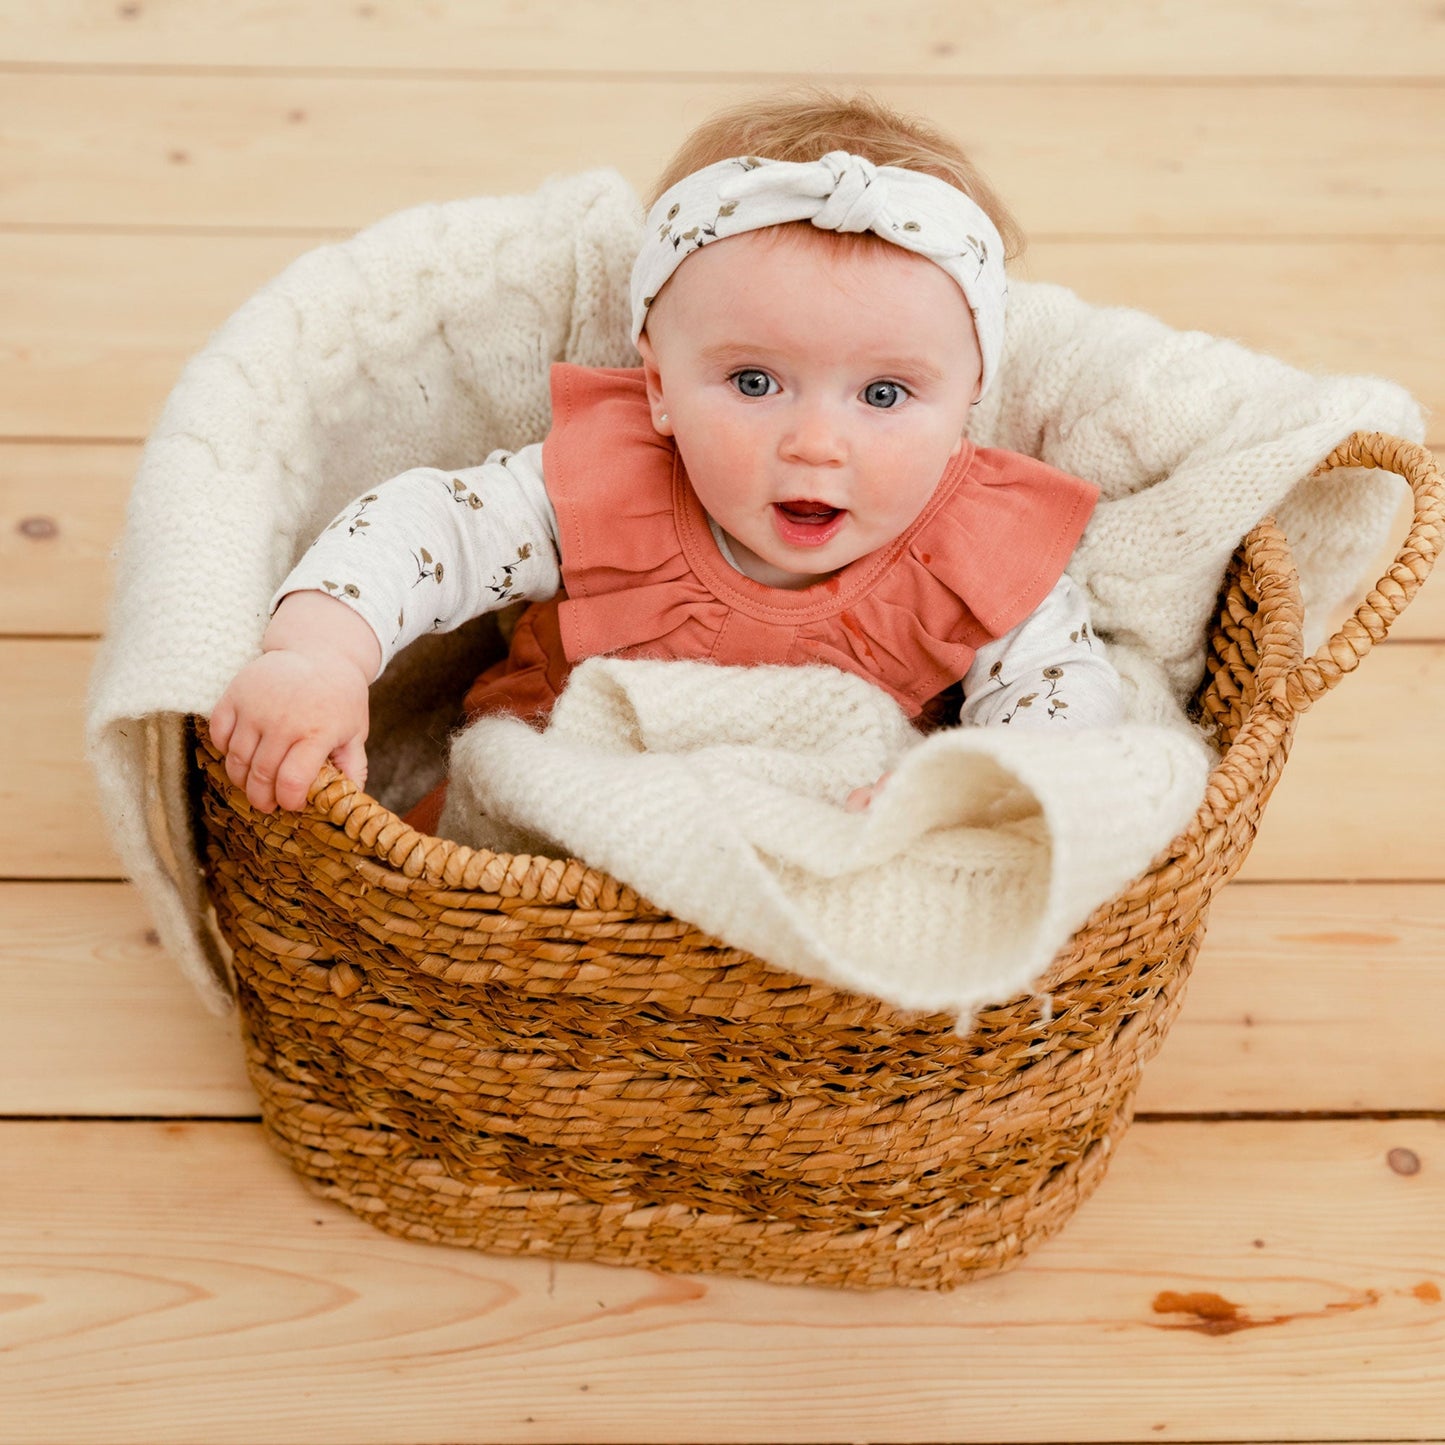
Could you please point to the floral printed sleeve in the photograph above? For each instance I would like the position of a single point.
(430, 549)
(1050, 671)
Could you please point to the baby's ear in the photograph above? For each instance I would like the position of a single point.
(661, 423)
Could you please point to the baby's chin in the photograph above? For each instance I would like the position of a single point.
(785, 569)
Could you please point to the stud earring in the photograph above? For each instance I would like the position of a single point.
(663, 417)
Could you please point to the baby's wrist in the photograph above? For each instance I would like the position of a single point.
(317, 625)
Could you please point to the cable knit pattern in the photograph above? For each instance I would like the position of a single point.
(426, 341)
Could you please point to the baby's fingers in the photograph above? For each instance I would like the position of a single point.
(298, 771)
(350, 757)
(264, 770)
(222, 724)
(240, 747)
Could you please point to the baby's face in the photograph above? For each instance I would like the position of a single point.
(815, 395)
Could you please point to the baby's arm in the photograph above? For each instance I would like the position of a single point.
(421, 553)
(1050, 670)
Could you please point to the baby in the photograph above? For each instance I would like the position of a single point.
(818, 303)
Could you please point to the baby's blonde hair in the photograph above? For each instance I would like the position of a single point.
(802, 125)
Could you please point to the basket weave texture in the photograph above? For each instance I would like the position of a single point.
(520, 1054)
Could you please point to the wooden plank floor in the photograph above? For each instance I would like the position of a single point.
(1266, 1259)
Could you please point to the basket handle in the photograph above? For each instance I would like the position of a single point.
(1312, 677)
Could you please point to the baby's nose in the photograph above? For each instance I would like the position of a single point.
(815, 436)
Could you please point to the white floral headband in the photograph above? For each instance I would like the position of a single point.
(840, 192)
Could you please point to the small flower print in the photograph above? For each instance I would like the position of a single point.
(464, 494)
(504, 587)
(344, 589)
(356, 520)
(976, 248)
(698, 236)
(1027, 700)
(690, 240)
(426, 567)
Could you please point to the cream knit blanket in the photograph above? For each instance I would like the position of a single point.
(427, 340)
(717, 792)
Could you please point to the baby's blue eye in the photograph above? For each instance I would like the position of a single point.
(752, 382)
(883, 393)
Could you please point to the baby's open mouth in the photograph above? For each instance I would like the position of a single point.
(808, 513)
(804, 522)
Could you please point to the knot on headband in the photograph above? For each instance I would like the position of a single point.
(851, 194)
(839, 192)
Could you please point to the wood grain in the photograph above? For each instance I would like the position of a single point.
(1143, 38)
(1201, 159)
(173, 1283)
(1311, 997)
(49, 826)
(94, 330)
(99, 1022)
(61, 511)
(1358, 798)
(98, 1019)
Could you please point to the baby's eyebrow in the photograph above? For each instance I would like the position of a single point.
(730, 353)
(911, 367)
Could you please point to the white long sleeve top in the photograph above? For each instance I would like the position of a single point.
(421, 553)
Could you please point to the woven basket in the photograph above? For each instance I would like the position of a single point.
(521, 1055)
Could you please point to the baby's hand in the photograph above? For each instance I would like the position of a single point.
(302, 701)
(860, 798)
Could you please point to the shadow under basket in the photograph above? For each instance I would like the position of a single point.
(521, 1055)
